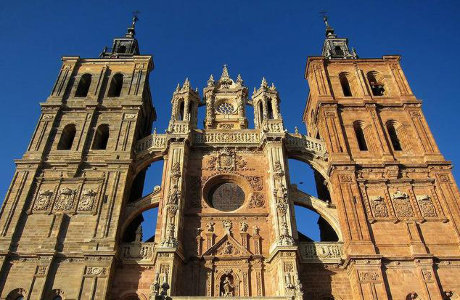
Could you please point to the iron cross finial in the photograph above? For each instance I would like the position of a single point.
(135, 17)
(324, 14)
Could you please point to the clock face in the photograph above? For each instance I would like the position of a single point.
(225, 108)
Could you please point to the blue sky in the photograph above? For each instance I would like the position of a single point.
(255, 38)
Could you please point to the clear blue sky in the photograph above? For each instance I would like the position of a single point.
(255, 38)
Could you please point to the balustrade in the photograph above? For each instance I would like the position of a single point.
(326, 252)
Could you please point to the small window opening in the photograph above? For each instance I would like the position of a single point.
(360, 137)
(122, 49)
(338, 51)
(190, 108)
(115, 86)
(378, 88)
(345, 85)
(394, 137)
(101, 137)
(83, 86)
(181, 111)
(261, 112)
(67, 137)
(270, 109)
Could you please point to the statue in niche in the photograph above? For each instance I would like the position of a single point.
(226, 286)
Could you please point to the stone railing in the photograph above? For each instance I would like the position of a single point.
(238, 137)
(138, 252)
(326, 252)
(302, 142)
(274, 126)
(153, 141)
(182, 128)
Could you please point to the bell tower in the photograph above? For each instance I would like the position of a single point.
(392, 187)
(59, 220)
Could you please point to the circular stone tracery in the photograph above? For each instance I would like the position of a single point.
(226, 196)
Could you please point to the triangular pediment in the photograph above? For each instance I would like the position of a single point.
(229, 247)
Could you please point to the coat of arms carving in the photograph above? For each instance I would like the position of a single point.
(43, 200)
(87, 200)
(65, 199)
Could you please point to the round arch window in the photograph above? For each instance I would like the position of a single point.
(226, 196)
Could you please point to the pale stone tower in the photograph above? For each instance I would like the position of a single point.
(59, 220)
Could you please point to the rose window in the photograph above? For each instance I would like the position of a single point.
(225, 108)
(226, 196)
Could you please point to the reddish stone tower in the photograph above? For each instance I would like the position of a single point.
(397, 200)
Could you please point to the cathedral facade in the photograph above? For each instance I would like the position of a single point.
(389, 206)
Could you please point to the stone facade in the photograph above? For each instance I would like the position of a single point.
(69, 225)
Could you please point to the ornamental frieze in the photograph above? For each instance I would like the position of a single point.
(62, 197)
(402, 205)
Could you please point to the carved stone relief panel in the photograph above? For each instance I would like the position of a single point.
(194, 185)
(427, 202)
(226, 159)
(44, 198)
(402, 204)
(88, 198)
(70, 196)
(66, 198)
(378, 206)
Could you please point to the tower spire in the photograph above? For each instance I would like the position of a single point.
(224, 73)
(132, 30)
(329, 29)
(335, 47)
(124, 46)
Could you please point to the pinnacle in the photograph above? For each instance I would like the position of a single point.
(186, 83)
(177, 87)
(264, 82)
(239, 79)
(224, 73)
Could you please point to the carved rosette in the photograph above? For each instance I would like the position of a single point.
(257, 201)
